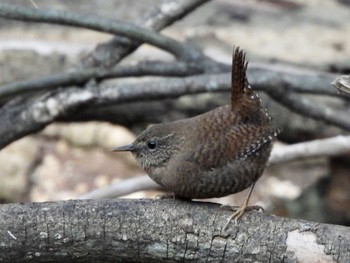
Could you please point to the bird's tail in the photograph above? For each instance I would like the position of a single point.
(244, 100)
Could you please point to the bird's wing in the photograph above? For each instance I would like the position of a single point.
(237, 143)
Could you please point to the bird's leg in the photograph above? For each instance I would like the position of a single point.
(240, 210)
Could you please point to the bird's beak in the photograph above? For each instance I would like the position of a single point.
(125, 148)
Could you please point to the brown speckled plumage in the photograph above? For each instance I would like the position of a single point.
(214, 154)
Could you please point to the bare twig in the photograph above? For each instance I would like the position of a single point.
(342, 83)
(318, 148)
(128, 186)
(176, 48)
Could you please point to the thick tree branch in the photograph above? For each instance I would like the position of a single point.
(82, 76)
(260, 77)
(161, 231)
(176, 48)
(24, 116)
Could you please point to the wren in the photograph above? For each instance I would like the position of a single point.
(218, 153)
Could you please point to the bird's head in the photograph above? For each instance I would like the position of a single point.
(154, 147)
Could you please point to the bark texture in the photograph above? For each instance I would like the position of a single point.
(160, 231)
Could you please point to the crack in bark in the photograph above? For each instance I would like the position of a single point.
(243, 243)
(167, 248)
(47, 229)
(210, 246)
(186, 246)
(138, 238)
(224, 253)
(190, 238)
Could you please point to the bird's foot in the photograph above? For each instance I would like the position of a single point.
(239, 211)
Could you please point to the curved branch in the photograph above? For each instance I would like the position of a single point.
(306, 107)
(161, 231)
(318, 148)
(176, 48)
(297, 79)
(111, 52)
(23, 116)
(125, 187)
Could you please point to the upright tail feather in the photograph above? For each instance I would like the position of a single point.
(244, 100)
(239, 83)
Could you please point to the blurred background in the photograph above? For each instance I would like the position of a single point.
(67, 160)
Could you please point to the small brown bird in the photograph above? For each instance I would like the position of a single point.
(218, 153)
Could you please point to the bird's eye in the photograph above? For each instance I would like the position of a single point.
(151, 144)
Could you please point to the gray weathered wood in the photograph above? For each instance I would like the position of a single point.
(123, 230)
